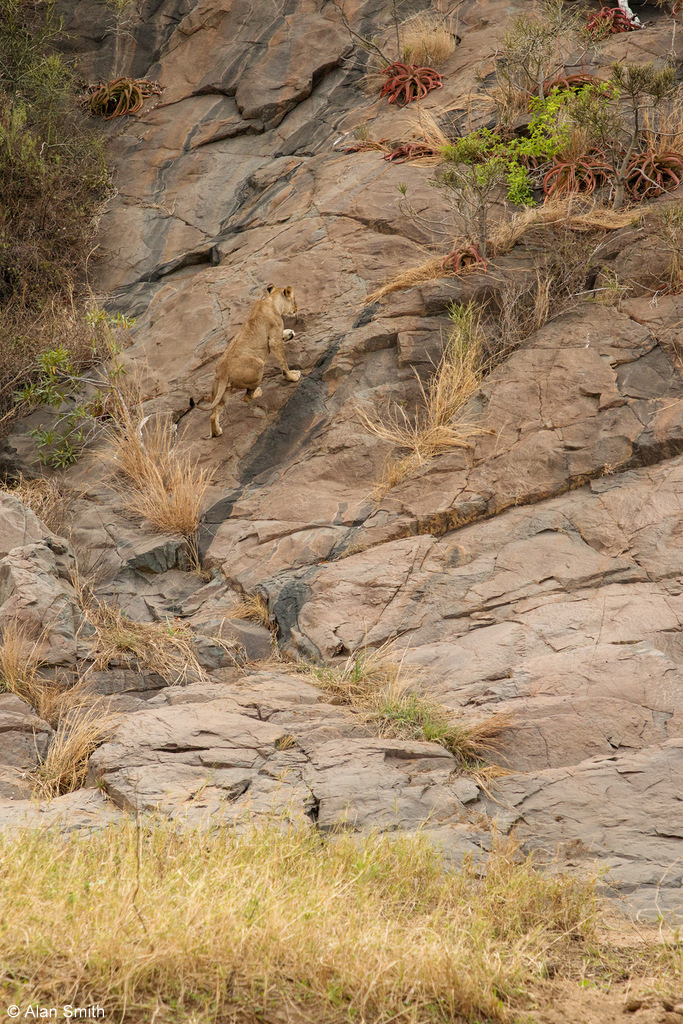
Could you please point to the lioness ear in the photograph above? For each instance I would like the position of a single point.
(270, 288)
(288, 292)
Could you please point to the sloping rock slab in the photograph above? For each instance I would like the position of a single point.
(84, 809)
(24, 737)
(624, 812)
(266, 747)
(35, 595)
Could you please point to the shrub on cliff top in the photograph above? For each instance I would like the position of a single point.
(52, 179)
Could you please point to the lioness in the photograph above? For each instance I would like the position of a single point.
(242, 363)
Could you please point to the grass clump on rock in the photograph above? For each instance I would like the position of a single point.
(161, 483)
(156, 922)
(376, 682)
(436, 428)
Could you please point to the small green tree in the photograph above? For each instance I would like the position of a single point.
(473, 187)
(80, 401)
(613, 114)
(532, 49)
(507, 160)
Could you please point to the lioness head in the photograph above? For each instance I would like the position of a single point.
(284, 299)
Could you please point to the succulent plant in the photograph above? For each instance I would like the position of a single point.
(649, 174)
(610, 21)
(464, 258)
(120, 96)
(581, 174)
(409, 82)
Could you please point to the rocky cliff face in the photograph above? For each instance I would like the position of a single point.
(537, 572)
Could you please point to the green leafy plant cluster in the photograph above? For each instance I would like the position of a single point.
(52, 180)
(81, 403)
(488, 153)
(52, 171)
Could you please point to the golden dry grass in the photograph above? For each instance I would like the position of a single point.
(427, 129)
(511, 100)
(161, 923)
(77, 736)
(48, 498)
(165, 648)
(427, 40)
(161, 484)
(430, 270)
(435, 428)
(663, 125)
(572, 212)
(253, 608)
(20, 661)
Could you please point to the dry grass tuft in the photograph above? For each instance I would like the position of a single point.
(511, 100)
(427, 40)
(572, 213)
(252, 608)
(164, 648)
(78, 735)
(377, 683)
(430, 270)
(663, 125)
(435, 430)
(161, 484)
(369, 671)
(569, 212)
(49, 499)
(20, 661)
(426, 128)
(328, 929)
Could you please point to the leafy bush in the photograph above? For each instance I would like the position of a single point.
(479, 163)
(52, 172)
(81, 403)
(52, 179)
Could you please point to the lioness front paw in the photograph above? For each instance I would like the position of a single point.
(288, 334)
(293, 375)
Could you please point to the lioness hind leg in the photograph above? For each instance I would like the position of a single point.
(251, 395)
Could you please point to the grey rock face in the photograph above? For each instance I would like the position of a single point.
(535, 573)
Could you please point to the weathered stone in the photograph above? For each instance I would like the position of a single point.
(24, 737)
(624, 810)
(535, 572)
(45, 606)
(84, 809)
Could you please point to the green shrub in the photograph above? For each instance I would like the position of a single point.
(52, 180)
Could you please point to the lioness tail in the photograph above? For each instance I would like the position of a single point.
(205, 405)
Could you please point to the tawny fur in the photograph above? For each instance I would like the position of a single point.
(241, 365)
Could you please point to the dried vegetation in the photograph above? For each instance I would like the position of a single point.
(436, 428)
(330, 929)
(428, 39)
(378, 684)
(162, 483)
(48, 498)
(78, 734)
